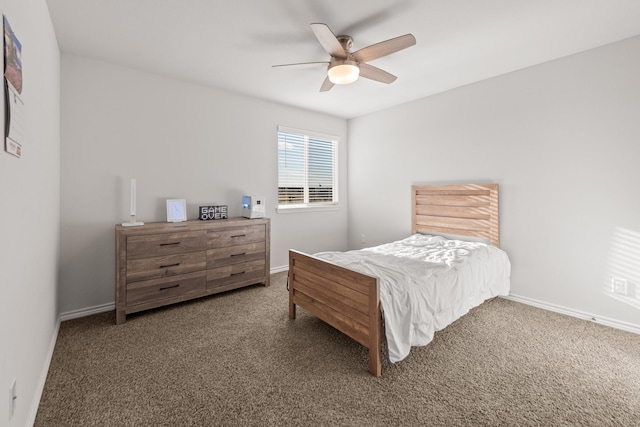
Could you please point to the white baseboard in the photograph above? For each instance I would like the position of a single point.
(279, 269)
(617, 324)
(43, 376)
(613, 323)
(82, 312)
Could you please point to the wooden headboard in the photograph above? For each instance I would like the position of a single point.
(463, 209)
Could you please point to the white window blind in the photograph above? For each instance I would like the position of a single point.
(307, 168)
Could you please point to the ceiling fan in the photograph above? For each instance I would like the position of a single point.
(345, 66)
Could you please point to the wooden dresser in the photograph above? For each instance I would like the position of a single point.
(163, 263)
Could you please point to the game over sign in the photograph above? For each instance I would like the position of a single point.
(213, 212)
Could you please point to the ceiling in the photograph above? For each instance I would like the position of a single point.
(233, 44)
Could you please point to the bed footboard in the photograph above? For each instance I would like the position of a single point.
(345, 299)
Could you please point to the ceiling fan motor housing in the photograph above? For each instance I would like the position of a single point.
(346, 42)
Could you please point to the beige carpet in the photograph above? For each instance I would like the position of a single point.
(236, 359)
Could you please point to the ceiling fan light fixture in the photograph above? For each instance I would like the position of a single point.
(344, 73)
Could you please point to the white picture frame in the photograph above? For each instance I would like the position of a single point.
(176, 210)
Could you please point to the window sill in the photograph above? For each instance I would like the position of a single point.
(297, 209)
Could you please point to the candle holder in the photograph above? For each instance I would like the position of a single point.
(132, 221)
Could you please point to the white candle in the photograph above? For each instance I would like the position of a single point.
(133, 196)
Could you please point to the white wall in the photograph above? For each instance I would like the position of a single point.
(563, 141)
(178, 140)
(30, 218)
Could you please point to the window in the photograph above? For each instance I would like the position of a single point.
(307, 169)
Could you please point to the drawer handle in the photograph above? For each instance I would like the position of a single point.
(243, 253)
(169, 244)
(169, 287)
(170, 265)
(237, 274)
(238, 235)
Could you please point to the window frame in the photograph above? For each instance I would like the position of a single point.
(311, 207)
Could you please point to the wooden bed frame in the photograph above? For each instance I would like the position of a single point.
(350, 301)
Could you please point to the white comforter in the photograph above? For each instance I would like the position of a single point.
(426, 283)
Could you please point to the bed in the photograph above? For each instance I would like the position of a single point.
(453, 251)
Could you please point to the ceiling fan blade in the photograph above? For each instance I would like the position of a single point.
(303, 64)
(326, 85)
(384, 48)
(328, 40)
(374, 73)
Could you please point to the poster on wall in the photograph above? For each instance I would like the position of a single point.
(14, 106)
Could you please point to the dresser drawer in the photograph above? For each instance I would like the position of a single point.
(235, 254)
(236, 236)
(164, 266)
(245, 273)
(164, 244)
(168, 287)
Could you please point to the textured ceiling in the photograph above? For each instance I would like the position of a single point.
(233, 44)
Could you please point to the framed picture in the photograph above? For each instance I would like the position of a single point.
(176, 210)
